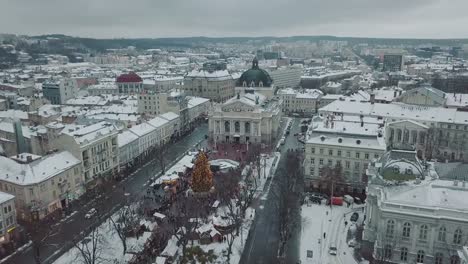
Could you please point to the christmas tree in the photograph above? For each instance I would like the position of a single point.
(202, 178)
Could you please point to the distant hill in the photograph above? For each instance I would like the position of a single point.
(148, 43)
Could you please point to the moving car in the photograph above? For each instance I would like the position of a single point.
(90, 213)
(332, 250)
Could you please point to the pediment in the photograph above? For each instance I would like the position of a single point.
(237, 107)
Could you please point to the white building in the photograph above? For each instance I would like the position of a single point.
(304, 102)
(216, 85)
(7, 217)
(103, 88)
(249, 117)
(148, 137)
(349, 143)
(412, 217)
(446, 136)
(60, 90)
(173, 123)
(95, 145)
(41, 185)
(128, 147)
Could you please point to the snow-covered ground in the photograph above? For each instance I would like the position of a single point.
(320, 219)
(111, 246)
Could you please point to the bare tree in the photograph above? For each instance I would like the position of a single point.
(160, 155)
(90, 248)
(124, 224)
(39, 234)
(331, 177)
(235, 217)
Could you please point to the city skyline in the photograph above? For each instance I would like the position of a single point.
(180, 18)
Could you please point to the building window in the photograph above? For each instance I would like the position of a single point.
(390, 228)
(442, 234)
(404, 254)
(406, 229)
(457, 236)
(312, 150)
(420, 256)
(438, 258)
(237, 127)
(348, 154)
(348, 164)
(423, 232)
(376, 156)
(330, 152)
(388, 252)
(339, 153)
(321, 151)
(366, 156)
(247, 127)
(321, 162)
(356, 165)
(330, 163)
(312, 161)
(358, 155)
(227, 126)
(454, 259)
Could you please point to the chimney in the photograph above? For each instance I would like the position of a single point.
(372, 98)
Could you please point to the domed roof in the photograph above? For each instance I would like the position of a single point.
(130, 77)
(255, 77)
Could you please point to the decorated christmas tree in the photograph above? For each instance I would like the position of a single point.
(202, 178)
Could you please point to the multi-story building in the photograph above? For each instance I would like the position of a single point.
(96, 146)
(446, 135)
(148, 137)
(392, 62)
(129, 83)
(304, 102)
(173, 123)
(58, 91)
(7, 217)
(128, 147)
(41, 185)
(286, 77)
(249, 117)
(103, 88)
(411, 215)
(211, 83)
(349, 143)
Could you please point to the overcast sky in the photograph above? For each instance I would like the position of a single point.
(217, 18)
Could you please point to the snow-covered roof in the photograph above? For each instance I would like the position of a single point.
(169, 116)
(218, 75)
(86, 134)
(398, 111)
(302, 94)
(37, 171)
(195, 101)
(171, 249)
(371, 143)
(126, 137)
(4, 197)
(142, 129)
(158, 122)
(13, 114)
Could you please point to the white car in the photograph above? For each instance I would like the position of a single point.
(91, 213)
(332, 250)
(352, 243)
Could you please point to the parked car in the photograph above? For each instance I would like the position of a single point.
(90, 213)
(332, 250)
(354, 217)
(352, 243)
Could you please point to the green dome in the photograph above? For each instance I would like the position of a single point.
(255, 77)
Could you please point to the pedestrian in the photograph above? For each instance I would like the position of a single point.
(324, 235)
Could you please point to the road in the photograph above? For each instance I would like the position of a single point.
(262, 245)
(131, 188)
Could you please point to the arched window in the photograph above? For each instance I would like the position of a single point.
(457, 236)
(260, 84)
(390, 228)
(237, 127)
(454, 259)
(392, 134)
(404, 254)
(420, 256)
(227, 126)
(423, 232)
(438, 258)
(244, 84)
(388, 252)
(414, 137)
(252, 84)
(247, 127)
(406, 229)
(442, 234)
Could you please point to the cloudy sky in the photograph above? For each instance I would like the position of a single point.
(216, 18)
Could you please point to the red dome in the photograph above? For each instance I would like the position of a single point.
(130, 77)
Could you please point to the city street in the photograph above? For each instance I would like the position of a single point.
(131, 188)
(262, 244)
